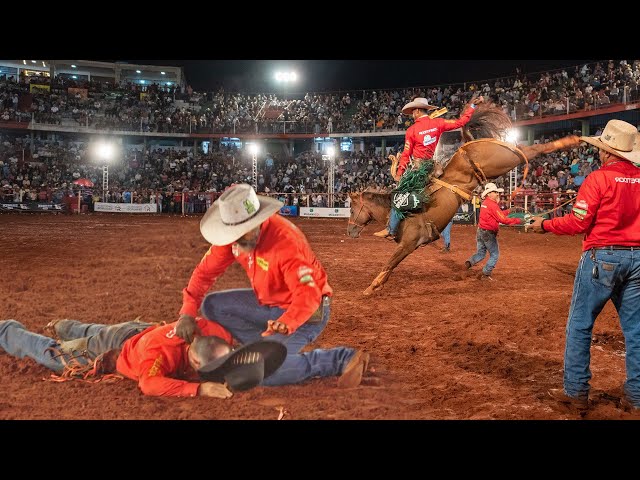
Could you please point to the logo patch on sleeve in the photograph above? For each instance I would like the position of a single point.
(262, 263)
(579, 213)
(155, 368)
(307, 280)
(304, 270)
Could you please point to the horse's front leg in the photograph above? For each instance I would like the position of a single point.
(401, 252)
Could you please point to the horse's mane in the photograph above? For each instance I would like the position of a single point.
(487, 121)
(378, 196)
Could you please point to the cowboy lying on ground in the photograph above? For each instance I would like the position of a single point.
(152, 354)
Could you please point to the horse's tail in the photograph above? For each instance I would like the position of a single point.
(487, 121)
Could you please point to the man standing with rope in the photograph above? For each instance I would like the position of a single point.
(420, 144)
(491, 216)
(607, 211)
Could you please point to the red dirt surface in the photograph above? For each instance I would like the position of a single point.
(444, 345)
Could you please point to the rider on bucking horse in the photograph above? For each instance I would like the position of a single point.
(420, 145)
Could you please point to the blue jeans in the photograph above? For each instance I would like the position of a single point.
(16, 340)
(394, 222)
(618, 280)
(446, 234)
(239, 312)
(487, 240)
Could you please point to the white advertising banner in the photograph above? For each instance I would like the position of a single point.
(125, 207)
(325, 212)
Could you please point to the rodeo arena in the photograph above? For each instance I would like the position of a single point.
(162, 245)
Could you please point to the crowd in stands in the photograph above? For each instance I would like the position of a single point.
(168, 109)
(161, 175)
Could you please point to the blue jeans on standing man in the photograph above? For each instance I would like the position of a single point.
(487, 240)
(446, 234)
(618, 279)
(19, 342)
(239, 312)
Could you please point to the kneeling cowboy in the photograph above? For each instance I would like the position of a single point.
(420, 143)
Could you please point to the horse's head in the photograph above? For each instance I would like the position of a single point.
(360, 216)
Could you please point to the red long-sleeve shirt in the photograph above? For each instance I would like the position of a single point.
(491, 216)
(283, 271)
(422, 137)
(606, 210)
(157, 359)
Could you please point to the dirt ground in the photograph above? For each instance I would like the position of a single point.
(444, 345)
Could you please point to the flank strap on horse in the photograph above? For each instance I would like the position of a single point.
(477, 171)
(437, 184)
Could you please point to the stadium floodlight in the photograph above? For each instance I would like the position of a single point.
(253, 149)
(138, 71)
(33, 61)
(331, 151)
(73, 66)
(43, 64)
(286, 77)
(162, 73)
(74, 76)
(105, 151)
(512, 135)
(24, 62)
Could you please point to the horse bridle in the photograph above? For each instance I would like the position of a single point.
(355, 221)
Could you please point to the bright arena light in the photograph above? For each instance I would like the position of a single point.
(286, 76)
(331, 151)
(138, 71)
(253, 148)
(105, 151)
(512, 135)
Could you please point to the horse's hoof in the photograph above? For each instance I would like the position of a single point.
(368, 291)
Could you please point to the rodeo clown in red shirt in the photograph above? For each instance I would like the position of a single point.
(607, 212)
(421, 140)
(491, 216)
(290, 298)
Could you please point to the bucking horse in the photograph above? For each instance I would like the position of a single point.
(483, 157)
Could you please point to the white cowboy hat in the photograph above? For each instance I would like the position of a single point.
(491, 187)
(419, 102)
(619, 138)
(237, 211)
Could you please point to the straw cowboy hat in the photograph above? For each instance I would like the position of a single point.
(491, 187)
(245, 367)
(237, 211)
(419, 102)
(619, 138)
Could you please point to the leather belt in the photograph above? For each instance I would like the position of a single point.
(617, 247)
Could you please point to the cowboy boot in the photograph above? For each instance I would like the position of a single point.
(75, 346)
